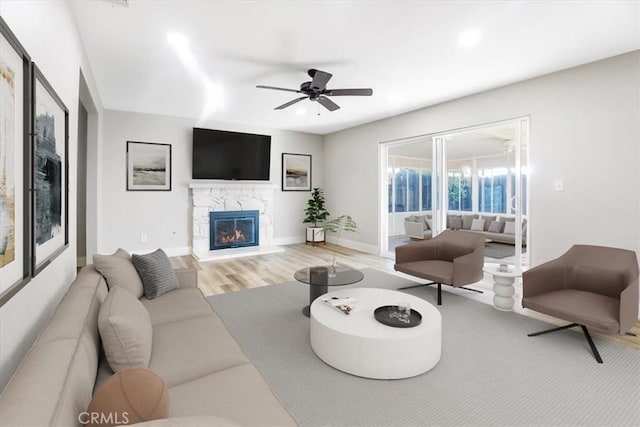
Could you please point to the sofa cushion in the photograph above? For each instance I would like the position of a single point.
(455, 222)
(496, 227)
(425, 219)
(180, 304)
(118, 270)
(467, 221)
(187, 341)
(130, 396)
(239, 393)
(477, 225)
(509, 227)
(157, 275)
(125, 329)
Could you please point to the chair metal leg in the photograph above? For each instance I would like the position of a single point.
(535, 334)
(594, 350)
(591, 344)
(417, 286)
(469, 289)
(439, 293)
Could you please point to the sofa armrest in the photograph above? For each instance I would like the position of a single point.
(187, 277)
(414, 229)
(629, 306)
(420, 251)
(468, 268)
(543, 278)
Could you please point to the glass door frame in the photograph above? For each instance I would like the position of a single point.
(440, 185)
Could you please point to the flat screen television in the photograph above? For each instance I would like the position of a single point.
(219, 154)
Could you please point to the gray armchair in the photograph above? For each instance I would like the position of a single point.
(452, 258)
(590, 286)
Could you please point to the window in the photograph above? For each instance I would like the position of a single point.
(409, 189)
(460, 193)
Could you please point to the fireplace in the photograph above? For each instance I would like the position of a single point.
(233, 229)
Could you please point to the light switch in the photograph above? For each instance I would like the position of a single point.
(558, 185)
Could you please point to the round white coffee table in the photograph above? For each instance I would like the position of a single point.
(360, 345)
(503, 289)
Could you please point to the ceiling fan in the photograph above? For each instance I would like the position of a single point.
(316, 90)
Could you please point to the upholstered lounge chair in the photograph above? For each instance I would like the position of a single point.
(590, 286)
(452, 258)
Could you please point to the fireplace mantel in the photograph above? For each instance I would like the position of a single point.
(211, 196)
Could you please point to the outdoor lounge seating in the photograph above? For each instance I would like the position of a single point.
(590, 286)
(452, 258)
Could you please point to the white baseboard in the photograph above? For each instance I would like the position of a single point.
(352, 244)
(281, 241)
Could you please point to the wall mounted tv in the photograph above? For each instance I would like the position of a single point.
(219, 154)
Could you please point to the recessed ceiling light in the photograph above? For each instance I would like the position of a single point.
(469, 38)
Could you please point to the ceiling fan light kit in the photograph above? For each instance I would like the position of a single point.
(316, 90)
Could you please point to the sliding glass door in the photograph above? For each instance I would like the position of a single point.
(452, 178)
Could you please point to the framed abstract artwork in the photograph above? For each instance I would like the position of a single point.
(15, 256)
(148, 166)
(50, 175)
(296, 172)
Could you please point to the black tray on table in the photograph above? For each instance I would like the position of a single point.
(383, 315)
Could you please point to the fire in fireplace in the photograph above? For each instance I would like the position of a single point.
(232, 229)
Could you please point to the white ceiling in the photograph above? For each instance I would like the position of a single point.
(408, 52)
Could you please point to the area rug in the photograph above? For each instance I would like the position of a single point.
(490, 373)
(499, 250)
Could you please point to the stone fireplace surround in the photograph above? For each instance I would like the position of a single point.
(231, 196)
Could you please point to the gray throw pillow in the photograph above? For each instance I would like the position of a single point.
(488, 219)
(157, 275)
(496, 226)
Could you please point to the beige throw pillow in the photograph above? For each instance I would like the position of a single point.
(510, 227)
(477, 225)
(118, 270)
(125, 329)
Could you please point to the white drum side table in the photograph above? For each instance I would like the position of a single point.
(360, 345)
(503, 287)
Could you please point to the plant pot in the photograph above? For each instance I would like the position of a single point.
(315, 235)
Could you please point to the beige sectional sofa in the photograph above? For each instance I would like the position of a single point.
(209, 379)
(491, 227)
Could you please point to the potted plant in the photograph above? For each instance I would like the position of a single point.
(338, 225)
(313, 214)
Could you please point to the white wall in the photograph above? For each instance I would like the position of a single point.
(48, 33)
(166, 216)
(584, 129)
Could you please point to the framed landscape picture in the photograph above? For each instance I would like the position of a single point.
(15, 268)
(148, 166)
(296, 172)
(50, 160)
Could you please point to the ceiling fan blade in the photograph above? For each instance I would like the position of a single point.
(348, 92)
(278, 88)
(290, 103)
(327, 103)
(320, 79)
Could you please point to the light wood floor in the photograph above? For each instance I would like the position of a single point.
(230, 275)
